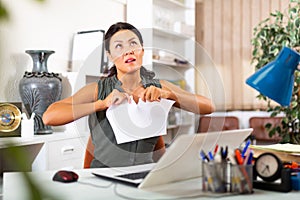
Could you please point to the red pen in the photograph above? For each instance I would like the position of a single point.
(216, 149)
(238, 156)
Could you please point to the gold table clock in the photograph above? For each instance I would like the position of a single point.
(10, 119)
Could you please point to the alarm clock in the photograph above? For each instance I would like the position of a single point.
(10, 119)
(269, 168)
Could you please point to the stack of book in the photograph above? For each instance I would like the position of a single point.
(286, 152)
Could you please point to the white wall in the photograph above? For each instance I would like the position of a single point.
(49, 25)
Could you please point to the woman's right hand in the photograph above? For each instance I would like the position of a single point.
(116, 97)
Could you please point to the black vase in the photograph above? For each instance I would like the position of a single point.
(39, 88)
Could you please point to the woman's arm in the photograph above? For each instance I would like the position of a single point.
(185, 100)
(82, 103)
(74, 107)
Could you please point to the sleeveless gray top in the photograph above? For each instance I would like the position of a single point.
(107, 152)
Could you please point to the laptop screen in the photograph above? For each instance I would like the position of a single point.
(181, 161)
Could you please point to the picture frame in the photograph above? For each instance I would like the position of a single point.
(87, 44)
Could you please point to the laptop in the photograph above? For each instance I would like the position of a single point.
(181, 161)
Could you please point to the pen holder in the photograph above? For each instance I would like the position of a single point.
(241, 179)
(225, 177)
(214, 177)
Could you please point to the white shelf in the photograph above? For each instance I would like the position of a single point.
(172, 4)
(178, 125)
(171, 37)
(171, 64)
(169, 33)
(172, 127)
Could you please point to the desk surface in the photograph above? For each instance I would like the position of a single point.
(36, 139)
(91, 187)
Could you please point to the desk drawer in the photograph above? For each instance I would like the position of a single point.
(66, 164)
(65, 153)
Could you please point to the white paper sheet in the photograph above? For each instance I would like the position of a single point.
(131, 121)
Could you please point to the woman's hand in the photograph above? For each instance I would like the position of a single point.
(116, 97)
(153, 93)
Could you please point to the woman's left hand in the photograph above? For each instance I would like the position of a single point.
(153, 93)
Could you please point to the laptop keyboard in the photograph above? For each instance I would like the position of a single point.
(134, 176)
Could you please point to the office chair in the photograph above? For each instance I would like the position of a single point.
(259, 133)
(217, 123)
(159, 150)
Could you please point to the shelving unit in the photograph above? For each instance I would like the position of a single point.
(167, 27)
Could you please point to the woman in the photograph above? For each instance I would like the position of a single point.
(124, 47)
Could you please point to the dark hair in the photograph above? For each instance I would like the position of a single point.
(116, 28)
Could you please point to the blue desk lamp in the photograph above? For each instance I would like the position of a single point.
(276, 79)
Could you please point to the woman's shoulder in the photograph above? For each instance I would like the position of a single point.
(107, 81)
(106, 86)
(91, 85)
(91, 88)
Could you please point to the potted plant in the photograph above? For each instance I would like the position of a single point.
(270, 36)
(4, 14)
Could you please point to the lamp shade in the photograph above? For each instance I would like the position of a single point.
(276, 79)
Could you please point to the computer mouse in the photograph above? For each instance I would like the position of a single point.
(65, 176)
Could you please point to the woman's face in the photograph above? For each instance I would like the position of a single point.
(126, 51)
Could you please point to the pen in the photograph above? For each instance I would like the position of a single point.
(210, 156)
(225, 167)
(238, 157)
(248, 159)
(246, 148)
(248, 142)
(203, 156)
(224, 153)
(216, 149)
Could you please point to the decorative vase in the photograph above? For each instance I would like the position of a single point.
(39, 88)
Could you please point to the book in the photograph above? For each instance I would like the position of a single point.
(286, 152)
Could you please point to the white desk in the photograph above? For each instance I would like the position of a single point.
(30, 148)
(45, 152)
(90, 187)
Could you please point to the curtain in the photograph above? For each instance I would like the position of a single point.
(224, 29)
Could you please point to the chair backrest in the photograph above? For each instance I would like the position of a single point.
(260, 133)
(217, 123)
(89, 154)
(159, 150)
